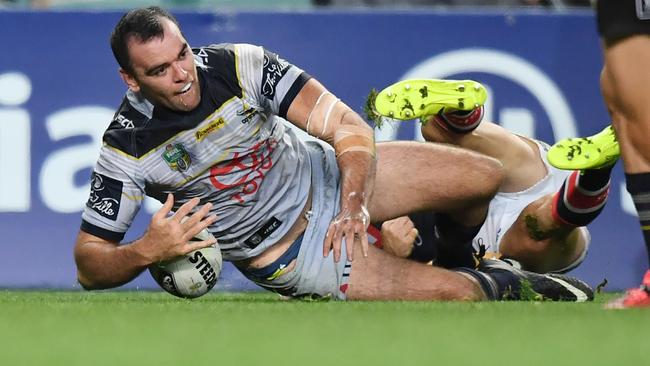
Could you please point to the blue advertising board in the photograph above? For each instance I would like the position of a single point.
(59, 86)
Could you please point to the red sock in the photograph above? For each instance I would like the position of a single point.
(576, 206)
(460, 121)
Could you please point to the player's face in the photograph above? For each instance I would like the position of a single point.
(164, 70)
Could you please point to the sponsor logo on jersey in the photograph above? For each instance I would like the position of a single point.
(177, 157)
(211, 127)
(247, 112)
(105, 193)
(123, 121)
(272, 72)
(244, 172)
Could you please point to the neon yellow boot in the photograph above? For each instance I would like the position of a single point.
(418, 98)
(598, 151)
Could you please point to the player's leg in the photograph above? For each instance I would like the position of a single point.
(625, 29)
(519, 156)
(545, 237)
(541, 243)
(435, 103)
(413, 176)
(381, 276)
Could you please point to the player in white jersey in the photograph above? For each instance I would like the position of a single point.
(538, 216)
(206, 126)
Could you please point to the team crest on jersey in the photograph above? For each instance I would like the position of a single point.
(177, 157)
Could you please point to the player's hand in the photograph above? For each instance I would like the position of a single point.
(398, 236)
(169, 236)
(350, 224)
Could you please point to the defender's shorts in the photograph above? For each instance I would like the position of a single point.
(313, 274)
(506, 207)
(619, 19)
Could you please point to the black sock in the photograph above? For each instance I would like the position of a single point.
(595, 179)
(454, 242)
(497, 285)
(639, 187)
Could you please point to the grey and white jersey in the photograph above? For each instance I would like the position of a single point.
(233, 150)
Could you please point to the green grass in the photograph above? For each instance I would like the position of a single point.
(151, 328)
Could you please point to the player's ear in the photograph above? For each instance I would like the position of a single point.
(130, 80)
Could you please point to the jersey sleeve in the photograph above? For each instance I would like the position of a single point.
(267, 78)
(116, 194)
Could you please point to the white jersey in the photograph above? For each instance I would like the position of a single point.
(233, 150)
(506, 207)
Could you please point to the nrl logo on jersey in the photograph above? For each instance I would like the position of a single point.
(177, 157)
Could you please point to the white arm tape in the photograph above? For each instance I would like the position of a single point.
(327, 115)
(313, 109)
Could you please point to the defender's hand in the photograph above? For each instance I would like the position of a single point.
(398, 236)
(351, 223)
(169, 236)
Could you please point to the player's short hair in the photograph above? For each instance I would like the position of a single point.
(143, 24)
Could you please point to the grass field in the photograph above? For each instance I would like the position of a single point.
(151, 328)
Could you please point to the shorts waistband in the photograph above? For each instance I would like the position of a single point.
(274, 269)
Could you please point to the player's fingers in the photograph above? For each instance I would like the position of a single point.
(349, 242)
(327, 243)
(408, 224)
(194, 245)
(185, 209)
(337, 242)
(199, 226)
(364, 242)
(197, 216)
(165, 209)
(412, 235)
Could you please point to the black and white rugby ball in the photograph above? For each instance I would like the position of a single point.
(191, 275)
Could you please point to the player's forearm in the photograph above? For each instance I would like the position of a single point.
(357, 178)
(101, 266)
(355, 150)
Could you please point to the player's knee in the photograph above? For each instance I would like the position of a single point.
(488, 176)
(468, 290)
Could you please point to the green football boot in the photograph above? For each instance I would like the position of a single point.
(419, 98)
(598, 151)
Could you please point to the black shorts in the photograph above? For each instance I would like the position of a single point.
(619, 19)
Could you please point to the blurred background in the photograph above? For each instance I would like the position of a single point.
(59, 87)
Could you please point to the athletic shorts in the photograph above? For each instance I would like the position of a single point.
(506, 207)
(619, 19)
(313, 275)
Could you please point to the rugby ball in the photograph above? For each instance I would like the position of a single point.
(191, 275)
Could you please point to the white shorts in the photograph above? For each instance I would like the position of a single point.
(506, 207)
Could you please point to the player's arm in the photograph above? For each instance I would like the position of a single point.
(322, 115)
(105, 264)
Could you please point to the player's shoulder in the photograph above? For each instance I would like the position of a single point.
(225, 55)
(131, 115)
(215, 54)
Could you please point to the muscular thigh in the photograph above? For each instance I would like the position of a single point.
(625, 81)
(415, 176)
